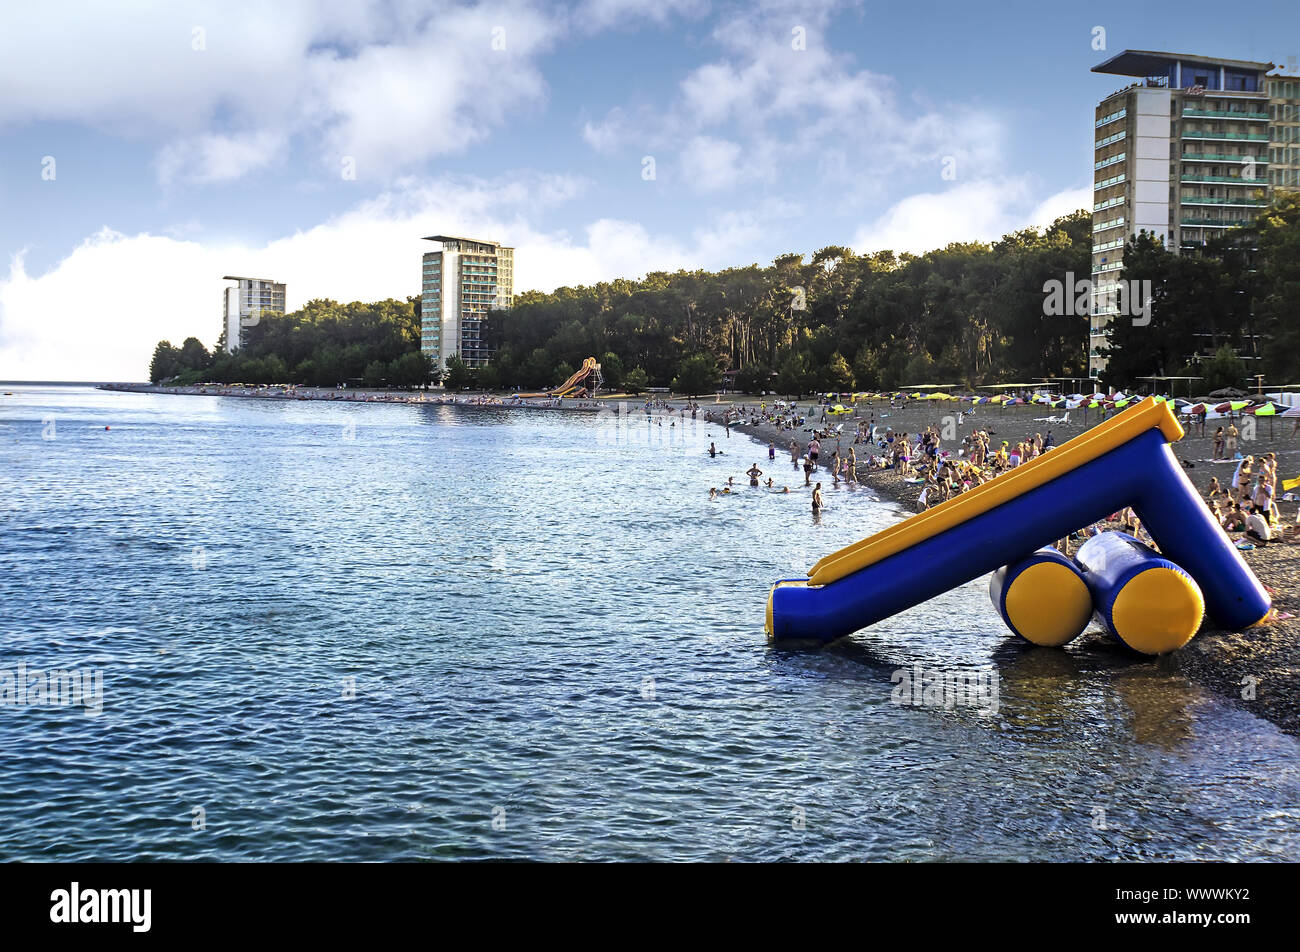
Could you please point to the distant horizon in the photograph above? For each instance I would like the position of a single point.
(67, 383)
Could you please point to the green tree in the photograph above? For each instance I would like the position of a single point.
(611, 370)
(562, 372)
(458, 374)
(636, 381)
(697, 374)
(409, 370)
(754, 378)
(375, 374)
(166, 362)
(838, 377)
(792, 378)
(1224, 369)
(193, 355)
(489, 378)
(1274, 293)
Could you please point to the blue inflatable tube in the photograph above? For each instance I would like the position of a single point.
(1144, 600)
(951, 549)
(1043, 598)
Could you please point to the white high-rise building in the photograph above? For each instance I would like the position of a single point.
(460, 284)
(243, 304)
(1183, 153)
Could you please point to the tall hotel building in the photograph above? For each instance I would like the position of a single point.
(1192, 149)
(244, 304)
(460, 284)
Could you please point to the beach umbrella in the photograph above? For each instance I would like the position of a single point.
(1232, 406)
(1269, 410)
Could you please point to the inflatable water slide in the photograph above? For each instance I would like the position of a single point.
(575, 386)
(1125, 461)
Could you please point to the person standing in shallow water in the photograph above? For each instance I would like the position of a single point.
(753, 473)
(817, 499)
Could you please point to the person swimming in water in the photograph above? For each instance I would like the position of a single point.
(753, 473)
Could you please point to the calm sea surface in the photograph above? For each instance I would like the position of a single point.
(342, 632)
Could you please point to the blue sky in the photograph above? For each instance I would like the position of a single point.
(195, 140)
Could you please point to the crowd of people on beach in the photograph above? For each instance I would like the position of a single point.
(1249, 503)
(1247, 509)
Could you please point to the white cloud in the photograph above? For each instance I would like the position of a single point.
(973, 211)
(600, 14)
(53, 327)
(1062, 203)
(792, 110)
(219, 158)
(709, 164)
(229, 84)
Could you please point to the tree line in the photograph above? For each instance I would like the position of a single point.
(969, 314)
(838, 321)
(323, 344)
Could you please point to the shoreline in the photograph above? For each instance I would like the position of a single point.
(362, 395)
(1226, 663)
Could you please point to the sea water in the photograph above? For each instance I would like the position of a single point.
(335, 631)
